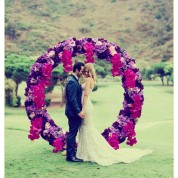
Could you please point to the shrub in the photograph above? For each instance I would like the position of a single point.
(48, 101)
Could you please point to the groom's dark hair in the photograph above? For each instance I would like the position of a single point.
(78, 65)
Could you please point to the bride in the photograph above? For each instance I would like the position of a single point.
(92, 146)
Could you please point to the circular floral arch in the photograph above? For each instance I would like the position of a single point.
(122, 65)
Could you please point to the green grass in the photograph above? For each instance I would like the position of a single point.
(24, 158)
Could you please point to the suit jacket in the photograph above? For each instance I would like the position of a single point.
(73, 97)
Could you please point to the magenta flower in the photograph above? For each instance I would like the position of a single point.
(35, 128)
(38, 95)
(58, 144)
(113, 141)
(131, 141)
(116, 65)
(130, 133)
(89, 49)
(135, 114)
(136, 107)
(130, 78)
(67, 60)
(47, 70)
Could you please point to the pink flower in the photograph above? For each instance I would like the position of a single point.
(129, 74)
(130, 83)
(136, 107)
(35, 128)
(130, 78)
(129, 127)
(58, 144)
(116, 64)
(68, 68)
(116, 59)
(89, 48)
(44, 82)
(135, 114)
(130, 133)
(131, 142)
(46, 71)
(67, 60)
(113, 141)
(66, 56)
(38, 95)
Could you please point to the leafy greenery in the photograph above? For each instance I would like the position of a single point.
(17, 68)
(161, 70)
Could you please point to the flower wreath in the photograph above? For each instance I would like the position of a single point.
(122, 65)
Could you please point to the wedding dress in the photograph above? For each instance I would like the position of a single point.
(93, 147)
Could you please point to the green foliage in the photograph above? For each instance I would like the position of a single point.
(169, 72)
(10, 98)
(148, 73)
(9, 91)
(102, 68)
(158, 68)
(48, 101)
(17, 68)
(58, 76)
(18, 101)
(162, 70)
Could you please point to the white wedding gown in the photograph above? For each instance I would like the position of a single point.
(93, 147)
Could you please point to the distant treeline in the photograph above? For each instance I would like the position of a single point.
(17, 69)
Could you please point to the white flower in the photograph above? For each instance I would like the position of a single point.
(51, 54)
(98, 43)
(95, 39)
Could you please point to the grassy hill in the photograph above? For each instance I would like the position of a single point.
(142, 27)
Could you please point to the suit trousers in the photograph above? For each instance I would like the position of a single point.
(74, 124)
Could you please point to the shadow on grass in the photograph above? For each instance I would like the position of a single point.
(170, 92)
(95, 102)
(17, 129)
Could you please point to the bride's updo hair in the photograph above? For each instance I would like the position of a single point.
(89, 68)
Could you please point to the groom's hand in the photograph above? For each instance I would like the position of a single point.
(82, 114)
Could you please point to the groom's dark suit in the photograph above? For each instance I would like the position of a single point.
(73, 107)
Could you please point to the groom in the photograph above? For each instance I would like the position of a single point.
(73, 110)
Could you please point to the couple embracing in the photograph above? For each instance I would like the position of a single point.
(92, 146)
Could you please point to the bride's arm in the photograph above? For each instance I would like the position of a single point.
(86, 92)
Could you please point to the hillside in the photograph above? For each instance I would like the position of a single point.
(142, 27)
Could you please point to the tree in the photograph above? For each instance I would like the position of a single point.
(17, 68)
(58, 76)
(9, 92)
(169, 72)
(148, 73)
(158, 69)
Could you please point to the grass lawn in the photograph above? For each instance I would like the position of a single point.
(24, 158)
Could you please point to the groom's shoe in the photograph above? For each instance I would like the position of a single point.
(73, 159)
